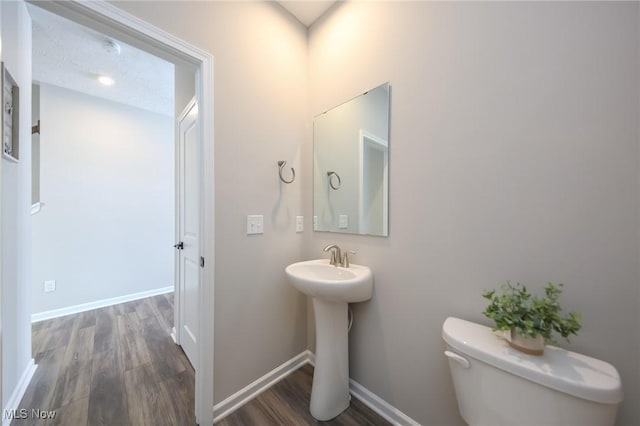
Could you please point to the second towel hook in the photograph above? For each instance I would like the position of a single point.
(281, 164)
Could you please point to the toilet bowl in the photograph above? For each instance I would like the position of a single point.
(498, 385)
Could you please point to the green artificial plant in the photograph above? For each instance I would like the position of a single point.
(514, 307)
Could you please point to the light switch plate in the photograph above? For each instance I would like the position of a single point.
(343, 221)
(315, 223)
(49, 286)
(299, 223)
(255, 224)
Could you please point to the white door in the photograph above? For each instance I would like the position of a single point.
(188, 227)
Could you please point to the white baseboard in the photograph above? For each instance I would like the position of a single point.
(173, 335)
(18, 392)
(379, 405)
(235, 401)
(368, 398)
(55, 313)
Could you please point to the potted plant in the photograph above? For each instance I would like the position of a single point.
(529, 322)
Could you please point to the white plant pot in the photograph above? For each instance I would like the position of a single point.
(524, 343)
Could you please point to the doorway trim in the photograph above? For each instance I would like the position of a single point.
(368, 139)
(106, 17)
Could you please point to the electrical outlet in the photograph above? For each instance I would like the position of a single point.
(49, 286)
(299, 223)
(343, 222)
(315, 223)
(255, 224)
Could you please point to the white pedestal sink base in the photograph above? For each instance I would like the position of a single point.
(332, 288)
(330, 390)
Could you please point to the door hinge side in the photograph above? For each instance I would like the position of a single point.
(201, 262)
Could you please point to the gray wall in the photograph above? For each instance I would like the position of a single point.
(16, 207)
(513, 156)
(107, 225)
(261, 116)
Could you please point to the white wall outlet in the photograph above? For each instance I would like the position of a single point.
(315, 223)
(49, 286)
(255, 224)
(343, 221)
(299, 223)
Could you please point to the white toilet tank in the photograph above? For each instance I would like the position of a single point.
(497, 385)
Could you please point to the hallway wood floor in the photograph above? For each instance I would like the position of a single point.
(112, 366)
(118, 366)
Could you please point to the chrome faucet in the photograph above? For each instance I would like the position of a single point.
(336, 256)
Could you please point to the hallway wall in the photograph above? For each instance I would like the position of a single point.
(106, 228)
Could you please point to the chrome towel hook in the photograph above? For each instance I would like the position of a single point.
(330, 176)
(281, 164)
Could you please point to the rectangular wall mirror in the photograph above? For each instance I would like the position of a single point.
(351, 166)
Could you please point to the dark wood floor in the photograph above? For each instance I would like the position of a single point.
(118, 366)
(287, 403)
(112, 366)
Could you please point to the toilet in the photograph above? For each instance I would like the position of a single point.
(497, 385)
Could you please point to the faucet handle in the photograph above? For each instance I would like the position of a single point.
(345, 258)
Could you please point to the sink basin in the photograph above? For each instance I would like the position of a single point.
(332, 289)
(330, 283)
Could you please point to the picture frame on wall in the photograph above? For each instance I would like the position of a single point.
(10, 116)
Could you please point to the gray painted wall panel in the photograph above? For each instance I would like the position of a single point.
(260, 103)
(514, 156)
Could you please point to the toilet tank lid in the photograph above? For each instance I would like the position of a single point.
(565, 371)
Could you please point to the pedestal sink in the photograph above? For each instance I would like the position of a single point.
(332, 288)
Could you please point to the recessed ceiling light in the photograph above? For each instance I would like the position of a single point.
(106, 80)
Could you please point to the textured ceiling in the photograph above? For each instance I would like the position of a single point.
(72, 56)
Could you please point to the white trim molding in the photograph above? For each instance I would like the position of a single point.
(364, 395)
(17, 394)
(238, 399)
(101, 13)
(55, 313)
(108, 18)
(379, 405)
